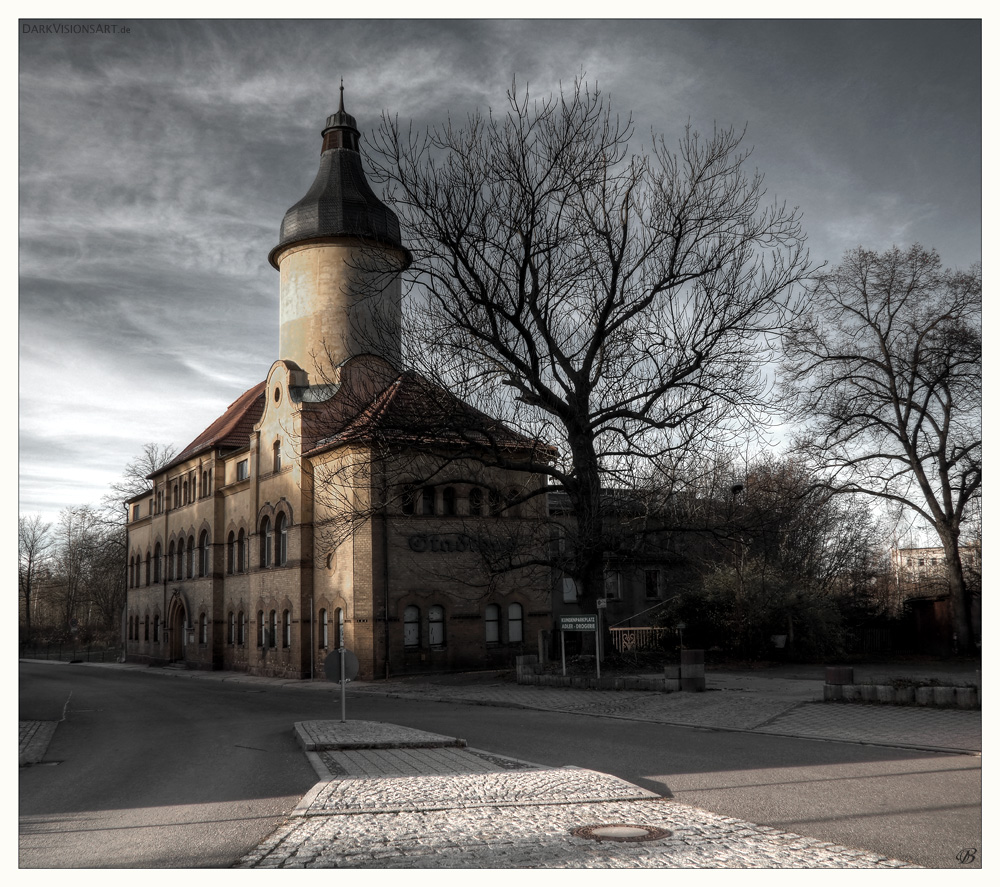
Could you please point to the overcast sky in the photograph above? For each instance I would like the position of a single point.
(155, 167)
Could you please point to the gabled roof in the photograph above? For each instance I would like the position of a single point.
(230, 431)
(414, 411)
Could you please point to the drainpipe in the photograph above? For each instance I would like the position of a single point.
(385, 569)
(127, 577)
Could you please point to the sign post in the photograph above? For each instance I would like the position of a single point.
(341, 665)
(587, 622)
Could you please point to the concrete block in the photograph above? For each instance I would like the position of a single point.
(903, 696)
(851, 693)
(672, 685)
(944, 696)
(885, 694)
(839, 674)
(924, 695)
(966, 697)
(833, 693)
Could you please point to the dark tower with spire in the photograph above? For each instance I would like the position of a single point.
(339, 253)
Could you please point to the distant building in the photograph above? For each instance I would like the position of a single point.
(922, 582)
(341, 500)
(925, 567)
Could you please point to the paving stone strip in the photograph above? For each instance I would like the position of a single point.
(462, 791)
(33, 740)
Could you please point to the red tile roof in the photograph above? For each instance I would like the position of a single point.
(230, 431)
(414, 411)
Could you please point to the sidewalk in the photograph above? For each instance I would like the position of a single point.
(430, 804)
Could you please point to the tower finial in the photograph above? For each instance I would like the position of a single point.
(341, 108)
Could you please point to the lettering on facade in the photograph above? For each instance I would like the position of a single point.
(442, 542)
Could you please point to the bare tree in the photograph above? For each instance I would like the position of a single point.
(626, 300)
(33, 544)
(887, 370)
(134, 480)
(75, 543)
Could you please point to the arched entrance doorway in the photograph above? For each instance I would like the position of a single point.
(177, 620)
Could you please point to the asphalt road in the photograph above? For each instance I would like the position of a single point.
(155, 771)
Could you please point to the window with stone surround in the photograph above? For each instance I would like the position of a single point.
(411, 626)
(435, 626)
(492, 623)
(515, 624)
(265, 542)
(280, 540)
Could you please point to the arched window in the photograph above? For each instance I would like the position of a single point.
(209, 493)
(475, 502)
(171, 560)
(130, 633)
(156, 628)
(277, 455)
(272, 629)
(286, 629)
(411, 626)
(131, 572)
(338, 617)
(280, 540)
(493, 624)
(190, 558)
(324, 629)
(510, 497)
(156, 563)
(231, 553)
(147, 566)
(448, 501)
(185, 488)
(427, 500)
(203, 629)
(231, 630)
(146, 633)
(205, 483)
(177, 497)
(515, 624)
(241, 552)
(409, 497)
(495, 503)
(206, 551)
(241, 627)
(435, 626)
(260, 628)
(265, 542)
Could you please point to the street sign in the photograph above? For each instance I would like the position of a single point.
(602, 603)
(578, 623)
(331, 666)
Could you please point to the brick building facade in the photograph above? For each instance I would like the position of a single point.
(341, 500)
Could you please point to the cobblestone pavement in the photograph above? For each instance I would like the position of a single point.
(33, 739)
(478, 810)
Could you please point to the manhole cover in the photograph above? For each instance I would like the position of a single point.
(620, 831)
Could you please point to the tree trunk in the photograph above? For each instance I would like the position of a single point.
(958, 601)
